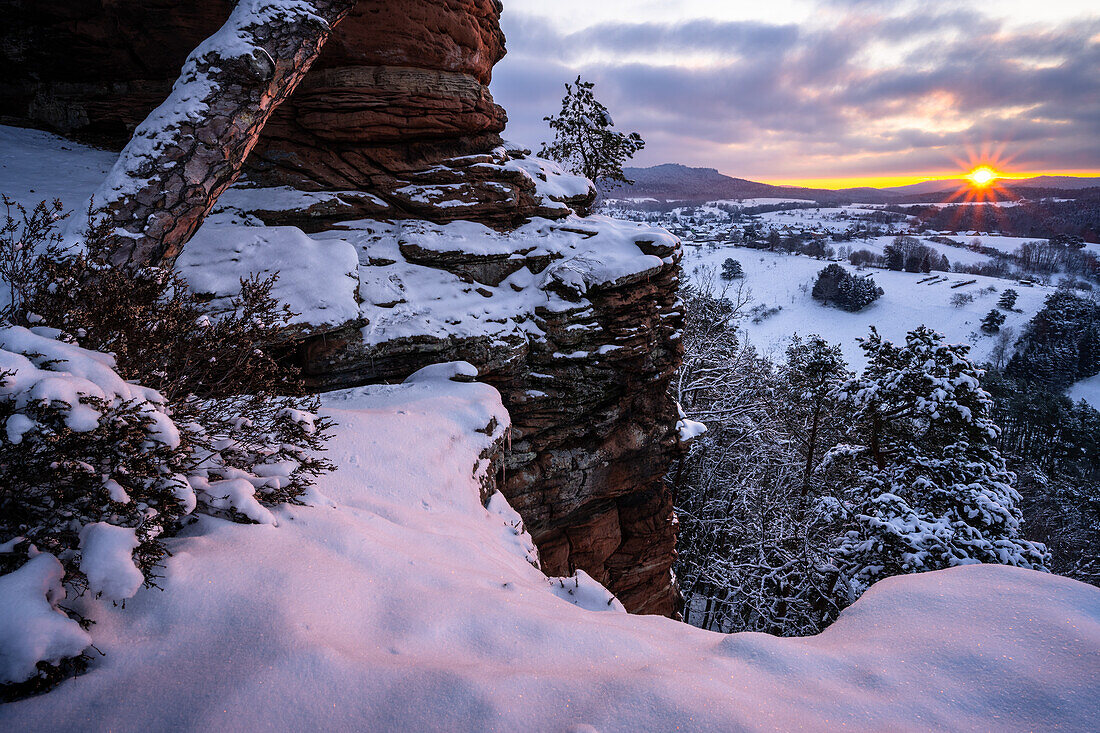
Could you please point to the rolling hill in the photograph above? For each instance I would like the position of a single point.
(675, 182)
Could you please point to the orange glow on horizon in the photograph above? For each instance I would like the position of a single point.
(905, 180)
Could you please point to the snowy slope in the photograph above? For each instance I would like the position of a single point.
(410, 606)
(780, 280)
(37, 166)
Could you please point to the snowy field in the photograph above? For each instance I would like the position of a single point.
(784, 281)
(757, 202)
(407, 605)
(826, 218)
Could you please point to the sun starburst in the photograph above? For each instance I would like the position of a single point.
(983, 176)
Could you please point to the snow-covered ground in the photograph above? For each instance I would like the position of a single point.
(941, 204)
(784, 281)
(757, 202)
(405, 603)
(37, 166)
(408, 605)
(1087, 390)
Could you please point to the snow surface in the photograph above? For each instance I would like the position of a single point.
(38, 166)
(411, 606)
(400, 601)
(31, 627)
(107, 558)
(285, 198)
(1087, 390)
(319, 280)
(784, 281)
(764, 201)
(403, 299)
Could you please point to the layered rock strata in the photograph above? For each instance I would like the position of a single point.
(575, 321)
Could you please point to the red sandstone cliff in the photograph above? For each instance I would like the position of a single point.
(396, 117)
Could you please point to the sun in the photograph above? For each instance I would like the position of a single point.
(982, 176)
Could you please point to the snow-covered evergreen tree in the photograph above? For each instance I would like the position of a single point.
(584, 141)
(731, 269)
(1008, 299)
(813, 370)
(993, 321)
(752, 553)
(924, 484)
(837, 286)
(1061, 343)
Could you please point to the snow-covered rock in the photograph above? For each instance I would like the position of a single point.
(318, 280)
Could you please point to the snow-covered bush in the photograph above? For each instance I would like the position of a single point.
(222, 375)
(125, 407)
(80, 446)
(958, 300)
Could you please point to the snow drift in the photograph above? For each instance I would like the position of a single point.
(410, 605)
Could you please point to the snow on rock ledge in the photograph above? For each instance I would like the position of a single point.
(318, 280)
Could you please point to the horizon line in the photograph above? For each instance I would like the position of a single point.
(840, 182)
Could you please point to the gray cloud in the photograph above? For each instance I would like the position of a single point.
(798, 101)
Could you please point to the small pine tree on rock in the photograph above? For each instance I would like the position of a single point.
(993, 321)
(584, 141)
(731, 269)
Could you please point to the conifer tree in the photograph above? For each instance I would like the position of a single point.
(837, 286)
(584, 141)
(731, 269)
(1060, 344)
(925, 485)
(993, 321)
(813, 370)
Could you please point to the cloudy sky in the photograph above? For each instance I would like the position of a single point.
(812, 91)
